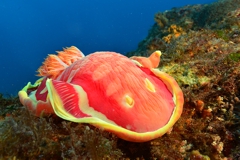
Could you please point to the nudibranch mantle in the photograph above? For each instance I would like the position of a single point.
(128, 97)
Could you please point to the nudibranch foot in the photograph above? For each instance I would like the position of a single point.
(128, 97)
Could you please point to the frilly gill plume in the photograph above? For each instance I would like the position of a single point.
(55, 64)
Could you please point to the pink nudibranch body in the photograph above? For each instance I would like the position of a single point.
(128, 97)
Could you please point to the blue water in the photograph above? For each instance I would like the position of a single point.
(29, 30)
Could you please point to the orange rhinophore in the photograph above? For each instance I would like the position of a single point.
(149, 62)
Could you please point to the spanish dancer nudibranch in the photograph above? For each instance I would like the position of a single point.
(129, 97)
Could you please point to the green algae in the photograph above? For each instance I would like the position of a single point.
(222, 34)
(185, 75)
(234, 56)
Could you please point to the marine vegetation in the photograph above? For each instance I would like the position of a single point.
(201, 51)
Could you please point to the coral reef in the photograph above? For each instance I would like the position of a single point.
(202, 52)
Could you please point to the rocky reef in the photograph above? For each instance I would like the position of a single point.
(201, 50)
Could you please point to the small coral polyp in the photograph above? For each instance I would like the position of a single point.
(129, 97)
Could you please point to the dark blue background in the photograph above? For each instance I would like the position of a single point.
(29, 30)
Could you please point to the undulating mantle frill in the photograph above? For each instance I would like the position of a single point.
(129, 97)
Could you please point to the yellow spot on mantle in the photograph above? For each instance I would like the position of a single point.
(129, 101)
(149, 85)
